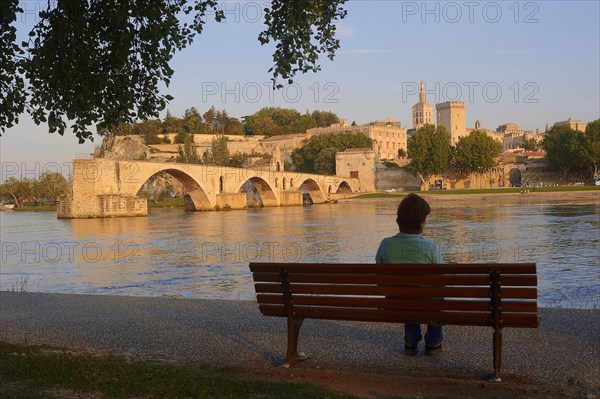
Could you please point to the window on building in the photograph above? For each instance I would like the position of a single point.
(354, 174)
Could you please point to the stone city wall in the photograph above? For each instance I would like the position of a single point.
(515, 175)
(396, 178)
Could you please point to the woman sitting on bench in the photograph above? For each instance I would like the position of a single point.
(408, 246)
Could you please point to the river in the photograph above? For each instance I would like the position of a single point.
(206, 254)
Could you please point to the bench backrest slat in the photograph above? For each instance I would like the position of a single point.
(405, 269)
(444, 279)
(408, 291)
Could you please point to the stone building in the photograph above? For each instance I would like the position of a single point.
(513, 136)
(422, 112)
(286, 143)
(499, 137)
(574, 124)
(452, 115)
(358, 163)
(387, 135)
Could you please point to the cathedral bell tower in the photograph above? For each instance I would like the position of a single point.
(422, 112)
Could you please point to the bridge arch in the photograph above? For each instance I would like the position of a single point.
(258, 193)
(312, 188)
(198, 196)
(344, 188)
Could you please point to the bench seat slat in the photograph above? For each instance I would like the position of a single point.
(524, 320)
(362, 302)
(272, 310)
(448, 318)
(404, 269)
(391, 316)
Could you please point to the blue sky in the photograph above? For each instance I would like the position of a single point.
(529, 62)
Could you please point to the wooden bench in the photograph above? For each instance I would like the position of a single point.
(495, 295)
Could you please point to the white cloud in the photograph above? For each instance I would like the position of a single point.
(363, 51)
(344, 31)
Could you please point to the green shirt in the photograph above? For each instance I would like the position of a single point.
(407, 248)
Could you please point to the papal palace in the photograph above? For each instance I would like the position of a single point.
(389, 137)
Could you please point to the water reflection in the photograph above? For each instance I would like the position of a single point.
(206, 254)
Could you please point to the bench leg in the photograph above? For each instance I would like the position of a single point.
(293, 356)
(497, 355)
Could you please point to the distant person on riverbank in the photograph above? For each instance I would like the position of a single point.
(408, 246)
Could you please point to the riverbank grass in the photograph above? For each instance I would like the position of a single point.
(168, 203)
(508, 190)
(43, 372)
(39, 208)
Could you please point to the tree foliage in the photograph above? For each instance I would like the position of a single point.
(187, 152)
(529, 144)
(302, 30)
(476, 152)
(318, 154)
(12, 93)
(103, 61)
(237, 159)
(18, 190)
(564, 147)
(51, 186)
(325, 118)
(324, 163)
(213, 121)
(98, 61)
(219, 153)
(591, 146)
(271, 121)
(429, 151)
(48, 188)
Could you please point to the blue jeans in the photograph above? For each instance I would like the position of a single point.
(412, 335)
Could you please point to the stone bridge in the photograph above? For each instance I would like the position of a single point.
(109, 188)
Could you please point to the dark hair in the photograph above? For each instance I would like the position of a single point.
(412, 213)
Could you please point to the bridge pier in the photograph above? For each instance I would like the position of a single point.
(102, 206)
(231, 201)
(290, 198)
